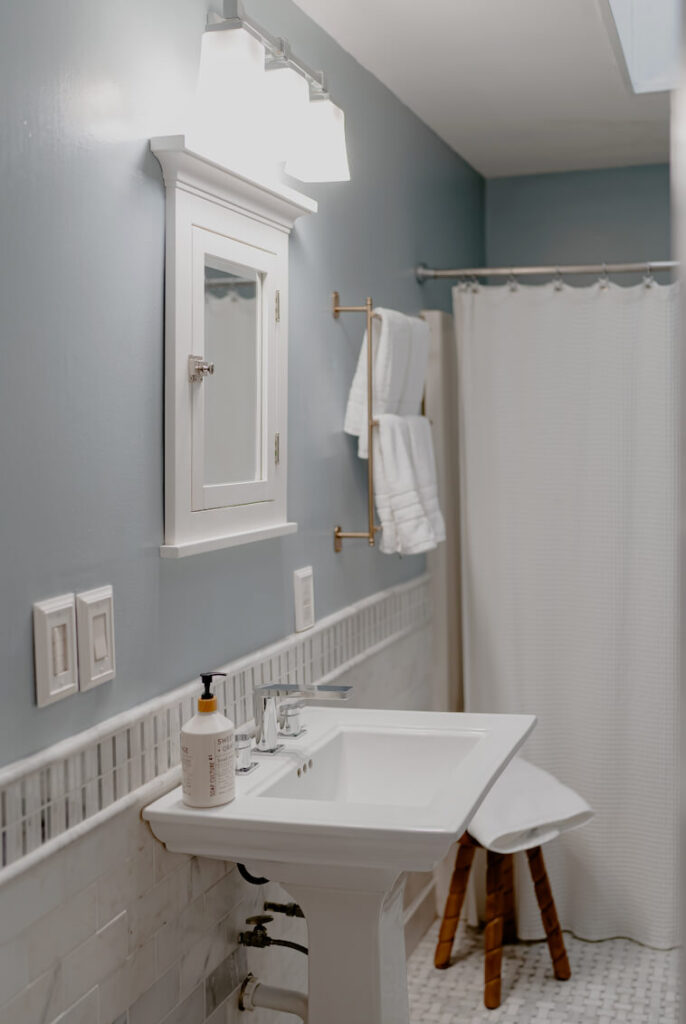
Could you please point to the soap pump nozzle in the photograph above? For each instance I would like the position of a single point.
(208, 702)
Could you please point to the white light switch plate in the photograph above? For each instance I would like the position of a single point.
(303, 592)
(54, 644)
(95, 624)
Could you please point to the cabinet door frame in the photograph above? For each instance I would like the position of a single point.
(268, 384)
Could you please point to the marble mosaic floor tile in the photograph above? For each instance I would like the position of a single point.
(613, 982)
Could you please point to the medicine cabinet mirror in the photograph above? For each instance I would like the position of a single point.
(226, 352)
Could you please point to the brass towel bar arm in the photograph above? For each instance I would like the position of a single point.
(339, 535)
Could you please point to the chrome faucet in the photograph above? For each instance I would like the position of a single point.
(269, 709)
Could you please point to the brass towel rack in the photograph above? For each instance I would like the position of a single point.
(339, 535)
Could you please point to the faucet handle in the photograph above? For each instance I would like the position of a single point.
(244, 762)
(291, 724)
(267, 740)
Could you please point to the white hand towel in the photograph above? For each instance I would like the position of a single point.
(400, 350)
(526, 807)
(406, 529)
(424, 462)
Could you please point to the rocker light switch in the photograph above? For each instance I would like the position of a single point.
(54, 643)
(100, 646)
(95, 622)
(303, 591)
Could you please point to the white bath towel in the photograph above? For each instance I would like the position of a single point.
(406, 529)
(413, 385)
(424, 463)
(400, 346)
(526, 807)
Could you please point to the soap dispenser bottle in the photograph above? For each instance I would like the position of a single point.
(207, 754)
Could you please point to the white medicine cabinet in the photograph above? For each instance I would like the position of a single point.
(226, 352)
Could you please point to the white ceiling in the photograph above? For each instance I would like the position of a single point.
(514, 86)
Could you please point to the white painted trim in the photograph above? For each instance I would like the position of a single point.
(184, 168)
(196, 547)
(56, 795)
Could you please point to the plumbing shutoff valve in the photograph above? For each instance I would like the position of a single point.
(258, 937)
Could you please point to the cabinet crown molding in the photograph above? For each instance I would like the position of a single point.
(184, 168)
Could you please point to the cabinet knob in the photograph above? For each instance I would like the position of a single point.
(198, 369)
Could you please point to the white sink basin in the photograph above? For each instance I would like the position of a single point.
(337, 817)
(399, 767)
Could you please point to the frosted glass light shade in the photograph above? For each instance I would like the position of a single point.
(321, 153)
(287, 97)
(228, 119)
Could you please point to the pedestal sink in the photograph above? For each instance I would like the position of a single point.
(337, 817)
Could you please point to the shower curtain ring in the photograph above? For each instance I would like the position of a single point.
(557, 280)
(648, 279)
(512, 281)
(604, 280)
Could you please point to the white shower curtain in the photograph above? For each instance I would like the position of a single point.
(568, 460)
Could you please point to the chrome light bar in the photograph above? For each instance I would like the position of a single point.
(278, 53)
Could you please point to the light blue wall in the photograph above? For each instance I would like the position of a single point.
(621, 214)
(81, 338)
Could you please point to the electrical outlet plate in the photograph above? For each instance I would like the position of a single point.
(95, 621)
(54, 643)
(303, 592)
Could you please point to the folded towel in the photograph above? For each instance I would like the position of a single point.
(526, 807)
(413, 386)
(400, 346)
(406, 529)
(424, 462)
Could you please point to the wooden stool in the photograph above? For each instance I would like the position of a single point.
(500, 919)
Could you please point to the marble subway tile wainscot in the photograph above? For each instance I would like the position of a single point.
(159, 1000)
(92, 961)
(190, 1011)
(85, 1011)
(173, 940)
(122, 988)
(224, 979)
(54, 935)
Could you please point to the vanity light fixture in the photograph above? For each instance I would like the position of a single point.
(308, 137)
(321, 154)
(230, 100)
(287, 98)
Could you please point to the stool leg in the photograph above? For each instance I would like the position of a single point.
(493, 938)
(558, 953)
(509, 919)
(453, 905)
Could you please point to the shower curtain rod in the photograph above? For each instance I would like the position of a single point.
(425, 273)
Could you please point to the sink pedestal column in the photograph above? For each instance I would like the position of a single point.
(357, 969)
